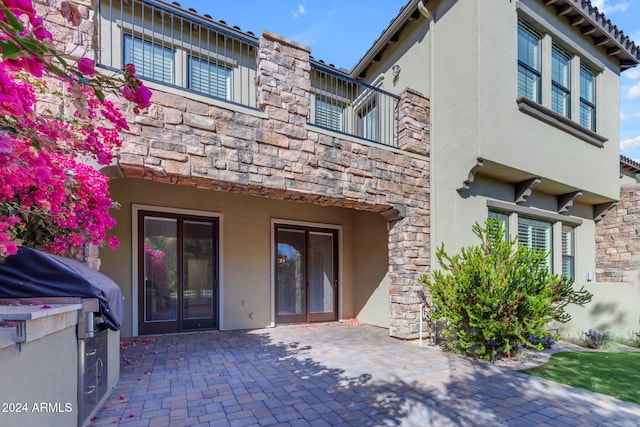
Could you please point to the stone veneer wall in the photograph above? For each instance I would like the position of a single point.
(617, 238)
(274, 153)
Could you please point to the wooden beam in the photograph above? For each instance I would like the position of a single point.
(588, 30)
(566, 10)
(601, 41)
(577, 20)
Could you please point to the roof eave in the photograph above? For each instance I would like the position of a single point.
(384, 38)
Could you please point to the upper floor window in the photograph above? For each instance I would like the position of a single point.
(547, 61)
(329, 115)
(152, 61)
(560, 82)
(209, 78)
(529, 73)
(587, 98)
(368, 120)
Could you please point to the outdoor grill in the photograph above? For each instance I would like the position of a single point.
(51, 279)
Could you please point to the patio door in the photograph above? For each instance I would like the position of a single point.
(306, 274)
(177, 273)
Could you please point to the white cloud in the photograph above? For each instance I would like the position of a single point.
(630, 144)
(634, 91)
(606, 6)
(632, 73)
(624, 116)
(300, 10)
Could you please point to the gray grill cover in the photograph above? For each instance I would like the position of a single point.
(33, 274)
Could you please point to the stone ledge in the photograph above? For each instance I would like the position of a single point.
(34, 322)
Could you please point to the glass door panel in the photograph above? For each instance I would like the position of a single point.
(198, 274)
(291, 275)
(321, 276)
(160, 271)
(306, 274)
(178, 273)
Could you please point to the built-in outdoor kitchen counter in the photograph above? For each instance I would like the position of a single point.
(59, 355)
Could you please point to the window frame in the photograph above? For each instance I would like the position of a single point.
(128, 57)
(568, 252)
(325, 105)
(529, 69)
(533, 239)
(560, 88)
(584, 102)
(228, 76)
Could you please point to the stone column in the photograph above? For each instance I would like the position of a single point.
(284, 88)
(409, 235)
(414, 125)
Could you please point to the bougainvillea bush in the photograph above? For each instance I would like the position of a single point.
(496, 295)
(49, 196)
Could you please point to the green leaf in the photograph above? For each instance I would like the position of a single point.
(10, 50)
(12, 20)
(99, 95)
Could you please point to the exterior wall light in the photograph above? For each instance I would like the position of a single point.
(395, 70)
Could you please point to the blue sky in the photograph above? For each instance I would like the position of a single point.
(339, 32)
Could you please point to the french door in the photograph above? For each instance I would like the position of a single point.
(306, 273)
(177, 273)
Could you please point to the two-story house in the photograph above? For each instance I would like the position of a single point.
(265, 187)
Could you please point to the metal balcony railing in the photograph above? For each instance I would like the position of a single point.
(178, 48)
(346, 105)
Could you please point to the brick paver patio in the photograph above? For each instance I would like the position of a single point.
(335, 375)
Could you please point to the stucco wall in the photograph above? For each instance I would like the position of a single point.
(474, 114)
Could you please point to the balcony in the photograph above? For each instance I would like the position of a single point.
(348, 106)
(179, 49)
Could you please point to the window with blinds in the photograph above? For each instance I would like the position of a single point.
(152, 61)
(560, 82)
(504, 219)
(568, 255)
(209, 78)
(538, 235)
(329, 115)
(529, 70)
(587, 98)
(368, 120)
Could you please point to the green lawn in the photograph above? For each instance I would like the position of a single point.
(614, 374)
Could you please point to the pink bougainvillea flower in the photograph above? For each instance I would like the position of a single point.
(71, 13)
(129, 69)
(20, 7)
(46, 306)
(140, 95)
(87, 66)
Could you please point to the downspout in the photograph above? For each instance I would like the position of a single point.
(424, 11)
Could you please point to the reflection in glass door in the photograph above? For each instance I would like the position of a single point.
(178, 278)
(306, 274)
